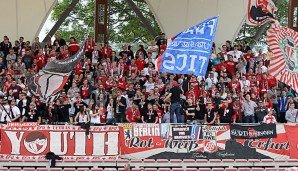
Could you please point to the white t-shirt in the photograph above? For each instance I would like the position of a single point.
(149, 86)
(210, 81)
(94, 119)
(236, 55)
(109, 111)
(154, 54)
(94, 54)
(16, 111)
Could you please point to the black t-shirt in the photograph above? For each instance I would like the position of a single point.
(149, 116)
(201, 113)
(260, 113)
(60, 43)
(63, 112)
(210, 115)
(191, 109)
(27, 60)
(32, 116)
(175, 94)
(226, 116)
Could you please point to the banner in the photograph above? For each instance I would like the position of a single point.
(62, 140)
(283, 42)
(140, 141)
(260, 11)
(293, 140)
(257, 131)
(190, 50)
(211, 142)
(181, 132)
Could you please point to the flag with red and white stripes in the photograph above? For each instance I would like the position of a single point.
(283, 42)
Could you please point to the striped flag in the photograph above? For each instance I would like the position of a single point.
(283, 42)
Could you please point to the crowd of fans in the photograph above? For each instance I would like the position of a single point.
(108, 87)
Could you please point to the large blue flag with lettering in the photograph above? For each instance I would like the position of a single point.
(190, 50)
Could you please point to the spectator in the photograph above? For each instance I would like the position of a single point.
(106, 51)
(36, 46)
(73, 46)
(28, 59)
(153, 49)
(96, 55)
(210, 115)
(11, 57)
(260, 112)
(269, 118)
(248, 107)
(5, 46)
(83, 116)
(174, 95)
(88, 47)
(211, 79)
(58, 42)
(190, 111)
(282, 103)
(32, 114)
(133, 115)
(41, 59)
(150, 116)
(111, 112)
(119, 107)
(162, 43)
(96, 112)
(225, 113)
(291, 114)
(235, 53)
(63, 107)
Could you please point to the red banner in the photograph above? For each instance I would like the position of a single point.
(291, 131)
(62, 140)
(141, 141)
(207, 142)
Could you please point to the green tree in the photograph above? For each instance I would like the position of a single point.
(123, 25)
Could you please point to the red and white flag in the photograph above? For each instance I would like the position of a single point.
(260, 11)
(283, 42)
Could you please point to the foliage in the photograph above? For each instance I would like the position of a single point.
(123, 25)
(79, 22)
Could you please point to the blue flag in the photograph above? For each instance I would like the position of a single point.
(190, 50)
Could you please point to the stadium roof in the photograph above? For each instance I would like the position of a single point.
(174, 16)
(23, 17)
(27, 17)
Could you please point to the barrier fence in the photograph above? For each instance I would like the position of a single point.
(150, 141)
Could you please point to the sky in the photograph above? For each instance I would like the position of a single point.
(46, 27)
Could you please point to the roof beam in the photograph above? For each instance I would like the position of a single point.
(144, 21)
(64, 15)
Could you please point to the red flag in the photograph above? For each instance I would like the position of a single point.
(291, 131)
(283, 43)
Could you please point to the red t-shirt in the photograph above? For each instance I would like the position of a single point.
(140, 64)
(231, 66)
(159, 114)
(102, 117)
(73, 46)
(121, 85)
(41, 60)
(131, 114)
